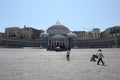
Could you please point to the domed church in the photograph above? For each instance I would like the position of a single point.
(58, 35)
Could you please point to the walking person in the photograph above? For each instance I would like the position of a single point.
(100, 56)
(68, 55)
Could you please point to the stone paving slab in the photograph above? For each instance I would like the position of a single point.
(39, 64)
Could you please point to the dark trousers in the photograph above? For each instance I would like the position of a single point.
(68, 57)
(100, 60)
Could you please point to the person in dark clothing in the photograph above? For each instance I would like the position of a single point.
(68, 55)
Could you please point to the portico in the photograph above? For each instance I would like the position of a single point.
(57, 42)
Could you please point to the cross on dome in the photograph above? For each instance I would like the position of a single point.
(58, 23)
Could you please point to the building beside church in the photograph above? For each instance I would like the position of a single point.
(91, 35)
(12, 32)
(26, 33)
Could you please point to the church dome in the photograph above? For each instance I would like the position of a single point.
(44, 35)
(71, 35)
(58, 29)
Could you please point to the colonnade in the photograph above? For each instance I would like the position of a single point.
(57, 42)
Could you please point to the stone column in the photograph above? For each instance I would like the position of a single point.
(51, 43)
(48, 42)
(67, 43)
(55, 43)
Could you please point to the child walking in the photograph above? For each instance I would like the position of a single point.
(68, 55)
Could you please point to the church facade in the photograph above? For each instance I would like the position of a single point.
(58, 35)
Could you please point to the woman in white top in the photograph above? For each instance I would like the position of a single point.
(100, 56)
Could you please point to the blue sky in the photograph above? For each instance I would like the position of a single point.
(77, 15)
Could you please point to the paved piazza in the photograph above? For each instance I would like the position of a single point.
(40, 64)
